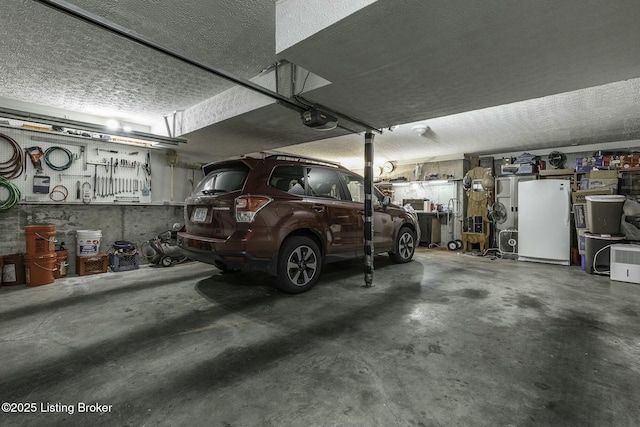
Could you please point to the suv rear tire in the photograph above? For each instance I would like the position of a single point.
(299, 265)
(405, 246)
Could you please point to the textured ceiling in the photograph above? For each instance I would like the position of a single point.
(53, 59)
(486, 76)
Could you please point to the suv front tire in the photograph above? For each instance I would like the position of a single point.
(405, 246)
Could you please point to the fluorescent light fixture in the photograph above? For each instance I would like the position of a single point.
(112, 124)
(97, 131)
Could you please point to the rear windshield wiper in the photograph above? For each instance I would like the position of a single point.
(209, 192)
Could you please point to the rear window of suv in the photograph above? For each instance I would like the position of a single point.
(223, 180)
(289, 179)
(304, 180)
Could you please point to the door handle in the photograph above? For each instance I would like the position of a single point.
(318, 208)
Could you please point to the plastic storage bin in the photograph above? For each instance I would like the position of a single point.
(604, 213)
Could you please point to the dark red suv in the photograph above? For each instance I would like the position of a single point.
(287, 216)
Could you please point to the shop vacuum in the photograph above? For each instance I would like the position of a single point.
(163, 248)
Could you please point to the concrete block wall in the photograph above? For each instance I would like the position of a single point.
(135, 223)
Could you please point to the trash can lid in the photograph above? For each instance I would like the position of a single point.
(610, 198)
(605, 236)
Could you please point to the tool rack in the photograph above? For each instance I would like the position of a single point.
(76, 168)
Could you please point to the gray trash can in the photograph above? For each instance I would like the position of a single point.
(604, 213)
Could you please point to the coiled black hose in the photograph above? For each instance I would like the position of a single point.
(50, 150)
(14, 195)
(13, 167)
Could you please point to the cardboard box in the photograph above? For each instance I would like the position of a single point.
(603, 174)
(580, 195)
(629, 161)
(602, 161)
(594, 184)
(583, 165)
(580, 216)
(556, 172)
(586, 164)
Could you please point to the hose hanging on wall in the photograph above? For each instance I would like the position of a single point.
(50, 150)
(13, 167)
(14, 195)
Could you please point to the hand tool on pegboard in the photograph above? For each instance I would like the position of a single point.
(86, 193)
(95, 178)
(98, 150)
(111, 177)
(67, 175)
(35, 154)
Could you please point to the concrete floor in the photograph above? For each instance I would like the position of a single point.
(446, 340)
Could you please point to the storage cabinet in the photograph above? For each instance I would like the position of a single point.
(507, 195)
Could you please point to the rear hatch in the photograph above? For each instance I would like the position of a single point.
(210, 212)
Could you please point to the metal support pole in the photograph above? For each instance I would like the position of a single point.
(368, 208)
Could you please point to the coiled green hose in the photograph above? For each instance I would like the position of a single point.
(50, 150)
(14, 195)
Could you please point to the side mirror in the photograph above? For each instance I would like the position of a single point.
(386, 201)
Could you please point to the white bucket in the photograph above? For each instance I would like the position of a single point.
(88, 242)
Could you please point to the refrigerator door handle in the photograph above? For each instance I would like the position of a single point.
(567, 215)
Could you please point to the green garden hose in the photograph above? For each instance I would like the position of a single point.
(48, 162)
(14, 195)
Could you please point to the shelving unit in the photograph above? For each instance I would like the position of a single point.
(569, 174)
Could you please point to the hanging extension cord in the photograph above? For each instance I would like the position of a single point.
(13, 167)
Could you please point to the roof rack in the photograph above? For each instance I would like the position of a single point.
(295, 158)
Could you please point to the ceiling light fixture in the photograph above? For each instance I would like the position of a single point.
(420, 129)
(112, 124)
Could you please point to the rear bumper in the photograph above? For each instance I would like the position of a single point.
(234, 256)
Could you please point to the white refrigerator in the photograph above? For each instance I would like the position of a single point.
(544, 221)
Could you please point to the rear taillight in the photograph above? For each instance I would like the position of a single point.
(248, 206)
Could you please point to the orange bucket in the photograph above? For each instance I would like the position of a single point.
(61, 264)
(41, 239)
(38, 269)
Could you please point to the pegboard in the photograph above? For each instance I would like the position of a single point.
(76, 168)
